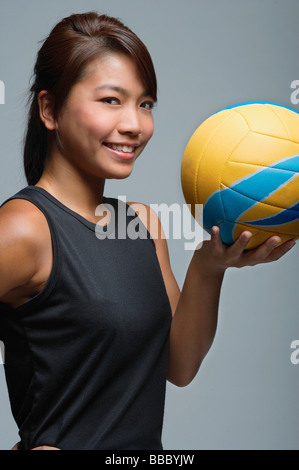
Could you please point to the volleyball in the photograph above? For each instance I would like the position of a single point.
(241, 165)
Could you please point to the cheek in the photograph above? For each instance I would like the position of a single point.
(148, 130)
(89, 123)
(93, 124)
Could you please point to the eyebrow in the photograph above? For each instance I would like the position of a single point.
(120, 90)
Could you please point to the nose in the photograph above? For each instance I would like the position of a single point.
(130, 122)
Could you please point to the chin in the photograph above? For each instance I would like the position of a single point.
(120, 174)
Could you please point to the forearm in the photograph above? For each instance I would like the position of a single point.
(195, 321)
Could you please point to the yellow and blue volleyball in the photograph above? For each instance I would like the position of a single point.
(242, 166)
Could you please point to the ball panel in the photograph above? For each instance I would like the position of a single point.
(234, 204)
(265, 216)
(261, 118)
(286, 196)
(263, 150)
(262, 183)
(284, 172)
(226, 232)
(228, 208)
(240, 208)
(201, 149)
(213, 212)
(193, 155)
(290, 119)
(259, 236)
(236, 171)
(217, 150)
(282, 221)
(289, 164)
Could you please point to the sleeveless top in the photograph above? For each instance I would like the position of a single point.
(86, 358)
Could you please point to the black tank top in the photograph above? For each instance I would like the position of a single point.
(86, 358)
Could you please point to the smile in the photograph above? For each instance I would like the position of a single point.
(123, 152)
(121, 148)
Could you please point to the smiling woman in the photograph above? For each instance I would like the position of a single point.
(92, 339)
(93, 327)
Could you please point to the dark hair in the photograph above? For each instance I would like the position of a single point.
(72, 44)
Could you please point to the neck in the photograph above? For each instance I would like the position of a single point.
(81, 192)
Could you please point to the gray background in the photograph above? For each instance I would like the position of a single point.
(208, 54)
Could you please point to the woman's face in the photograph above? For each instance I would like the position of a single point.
(107, 119)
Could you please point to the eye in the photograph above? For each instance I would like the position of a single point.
(147, 105)
(110, 100)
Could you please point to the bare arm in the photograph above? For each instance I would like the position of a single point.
(18, 254)
(23, 242)
(195, 309)
(194, 323)
(195, 320)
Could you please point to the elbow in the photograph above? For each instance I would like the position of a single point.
(182, 372)
(181, 383)
(183, 379)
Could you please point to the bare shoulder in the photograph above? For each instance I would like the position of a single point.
(149, 218)
(24, 234)
(21, 220)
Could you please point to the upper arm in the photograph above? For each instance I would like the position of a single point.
(18, 245)
(153, 224)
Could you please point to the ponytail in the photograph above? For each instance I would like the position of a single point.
(36, 144)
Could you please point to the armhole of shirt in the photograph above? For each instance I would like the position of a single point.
(144, 229)
(52, 279)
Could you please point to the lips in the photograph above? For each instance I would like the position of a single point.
(126, 148)
(125, 152)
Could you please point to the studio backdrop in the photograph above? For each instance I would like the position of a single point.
(208, 54)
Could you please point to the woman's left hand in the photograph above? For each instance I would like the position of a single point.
(219, 256)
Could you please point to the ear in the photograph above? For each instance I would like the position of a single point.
(46, 110)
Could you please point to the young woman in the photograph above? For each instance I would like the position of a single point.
(94, 327)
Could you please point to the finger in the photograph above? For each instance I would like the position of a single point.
(216, 238)
(240, 244)
(262, 252)
(215, 234)
(266, 248)
(281, 250)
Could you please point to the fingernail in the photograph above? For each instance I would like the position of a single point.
(246, 237)
(276, 243)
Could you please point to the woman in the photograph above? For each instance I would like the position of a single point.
(94, 327)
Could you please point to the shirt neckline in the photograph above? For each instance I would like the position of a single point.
(92, 226)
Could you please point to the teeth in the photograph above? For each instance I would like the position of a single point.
(121, 148)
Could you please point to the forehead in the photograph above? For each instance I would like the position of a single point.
(114, 68)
